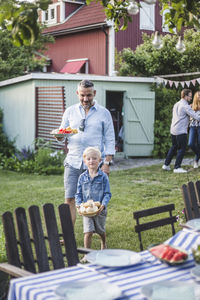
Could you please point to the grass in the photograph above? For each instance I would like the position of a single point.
(132, 190)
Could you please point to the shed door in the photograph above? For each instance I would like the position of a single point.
(139, 124)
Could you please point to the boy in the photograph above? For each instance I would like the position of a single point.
(93, 184)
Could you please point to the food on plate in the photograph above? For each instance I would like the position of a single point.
(67, 130)
(169, 253)
(89, 207)
(64, 131)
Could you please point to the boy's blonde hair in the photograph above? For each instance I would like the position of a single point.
(89, 150)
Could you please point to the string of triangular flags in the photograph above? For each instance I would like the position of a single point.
(172, 83)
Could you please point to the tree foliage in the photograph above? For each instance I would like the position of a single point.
(20, 18)
(180, 13)
(15, 61)
(148, 61)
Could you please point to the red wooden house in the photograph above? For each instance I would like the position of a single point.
(85, 40)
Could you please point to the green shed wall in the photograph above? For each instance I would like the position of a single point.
(18, 102)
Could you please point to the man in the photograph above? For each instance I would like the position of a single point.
(95, 129)
(179, 127)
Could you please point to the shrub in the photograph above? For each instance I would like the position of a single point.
(164, 102)
(6, 147)
(42, 160)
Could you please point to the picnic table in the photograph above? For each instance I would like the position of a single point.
(129, 279)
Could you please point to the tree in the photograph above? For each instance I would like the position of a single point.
(180, 13)
(148, 61)
(20, 18)
(15, 61)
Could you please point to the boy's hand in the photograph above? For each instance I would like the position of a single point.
(78, 211)
(100, 209)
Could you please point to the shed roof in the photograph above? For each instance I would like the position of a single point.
(86, 16)
(78, 77)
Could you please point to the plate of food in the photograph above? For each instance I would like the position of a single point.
(89, 208)
(165, 290)
(114, 257)
(64, 132)
(87, 290)
(169, 254)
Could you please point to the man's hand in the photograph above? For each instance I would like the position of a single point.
(60, 139)
(106, 169)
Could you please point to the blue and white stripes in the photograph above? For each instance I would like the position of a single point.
(129, 279)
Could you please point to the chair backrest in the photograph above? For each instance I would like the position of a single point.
(36, 247)
(191, 197)
(137, 215)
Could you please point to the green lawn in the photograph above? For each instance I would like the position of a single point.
(132, 190)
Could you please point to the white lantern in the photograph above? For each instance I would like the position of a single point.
(180, 46)
(157, 41)
(133, 8)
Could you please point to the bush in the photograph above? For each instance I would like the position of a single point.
(164, 102)
(43, 160)
(49, 162)
(6, 147)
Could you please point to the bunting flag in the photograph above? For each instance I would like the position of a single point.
(171, 83)
(182, 83)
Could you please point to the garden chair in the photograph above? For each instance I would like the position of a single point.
(34, 249)
(191, 197)
(137, 215)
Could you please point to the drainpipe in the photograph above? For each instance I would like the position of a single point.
(106, 49)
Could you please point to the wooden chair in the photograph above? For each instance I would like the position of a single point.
(137, 215)
(191, 197)
(34, 249)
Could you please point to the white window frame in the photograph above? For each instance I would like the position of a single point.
(50, 20)
(147, 16)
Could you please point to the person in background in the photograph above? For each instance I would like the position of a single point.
(194, 132)
(95, 128)
(93, 184)
(179, 128)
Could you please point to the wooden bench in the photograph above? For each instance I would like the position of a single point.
(33, 245)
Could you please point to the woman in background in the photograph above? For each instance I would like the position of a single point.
(194, 132)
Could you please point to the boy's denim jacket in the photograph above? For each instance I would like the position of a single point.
(97, 189)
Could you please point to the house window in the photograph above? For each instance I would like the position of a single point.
(147, 16)
(49, 16)
(52, 13)
(46, 15)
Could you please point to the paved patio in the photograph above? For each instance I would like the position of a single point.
(129, 163)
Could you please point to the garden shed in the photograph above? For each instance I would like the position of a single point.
(33, 105)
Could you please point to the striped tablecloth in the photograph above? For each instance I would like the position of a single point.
(129, 279)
